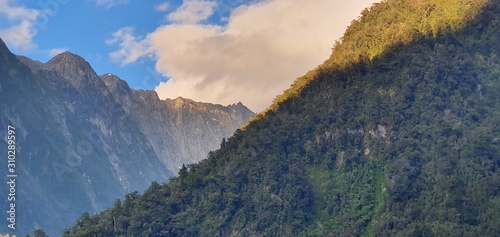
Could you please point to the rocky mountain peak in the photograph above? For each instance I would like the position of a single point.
(240, 108)
(110, 78)
(237, 105)
(114, 83)
(68, 58)
(185, 103)
(71, 67)
(181, 100)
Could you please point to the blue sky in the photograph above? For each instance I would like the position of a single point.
(218, 51)
(82, 27)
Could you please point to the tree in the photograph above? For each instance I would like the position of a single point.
(223, 143)
(40, 233)
(183, 172)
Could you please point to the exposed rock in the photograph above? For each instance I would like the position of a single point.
(85, 140)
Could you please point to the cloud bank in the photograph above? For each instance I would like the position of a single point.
(261, 50)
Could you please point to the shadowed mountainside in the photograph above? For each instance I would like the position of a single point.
(84, 140)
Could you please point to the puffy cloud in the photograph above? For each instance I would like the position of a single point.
(257, 55)
(131, 47)
(21, 25)
(192, 11)
(20, 36)
(16, 13)
(110, 3)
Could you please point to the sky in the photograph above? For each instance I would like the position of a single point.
(216, 51)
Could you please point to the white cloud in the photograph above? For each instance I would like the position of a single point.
(253, 58)
(162, 7)
(131, 47)
(192, 11)
(17, 13)
(21, 25)
(111, 3)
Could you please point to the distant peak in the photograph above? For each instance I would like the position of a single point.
(110, 77)
(67, 57)
(182, 99)
(113, 82)
(241, 107)
(237, 105)
(68, 61)
(71, 65)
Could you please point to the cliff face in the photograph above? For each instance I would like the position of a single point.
(84, 140)
(196, 127)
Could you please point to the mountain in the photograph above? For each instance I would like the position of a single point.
(396, 134)
(196, 127)
(85, 140)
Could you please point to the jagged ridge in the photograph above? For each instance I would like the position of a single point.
(85, 140)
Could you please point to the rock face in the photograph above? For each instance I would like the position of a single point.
(195, 125)
(84, 140)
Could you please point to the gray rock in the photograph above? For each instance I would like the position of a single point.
(84, 140)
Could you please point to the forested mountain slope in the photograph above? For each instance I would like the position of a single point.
(397, 134)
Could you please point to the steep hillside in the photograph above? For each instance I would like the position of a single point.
(397, 134)
(85, 140)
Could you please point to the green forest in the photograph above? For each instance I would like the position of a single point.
(396, 134)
